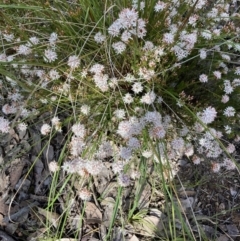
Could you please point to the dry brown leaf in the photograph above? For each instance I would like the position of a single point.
(92, 213)
(145, 195)
(4, 182)
(134, 238)
(108, 204)
(51, 216)
(222, 237)
(149, 226)
(15, 171)
(232, 230)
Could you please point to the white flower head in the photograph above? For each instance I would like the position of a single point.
(229, 111)
(148, 98)
(160, 6)
(79, 130)
(73, 62)
(50, 55)
(203, 78)
(137, 87)
(4, 125)
(99, 37)
(85, 109)
(128, 99)
(53, 166)
(119, 47)
(85, 194)
(119, 114)
(208, 115)
(45, 129)
(124, 180)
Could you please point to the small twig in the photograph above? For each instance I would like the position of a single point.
(38, 198)
(21, 212)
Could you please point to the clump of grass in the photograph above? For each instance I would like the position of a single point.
(131, 82)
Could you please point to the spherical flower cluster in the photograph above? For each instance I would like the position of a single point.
(225, 99)
(137, 87)
(178, 144)
(203, 53)
(228, 129)
(119, 47)
(85, 109)
(168, 38)
(76, 146)
(50, 55)
(120, 114)
(189, 150)
(228, 164)
(126, 36)
(127, 129)
(196, 160)
(53, 166)
(24, 50)
(237, 71)
(22, 126)
(206, 34)
(128, 99)
(105, 150)
(203, 78)
(125, 153)
(148, 98)
(53, 38)
(45, 129)
(157, 132)
(124, 180)
(56, 123)
(153, 117)
(230, 148)
(73, 62)
(117, 167)
(33, 41)
(53, 74)
(160, 6)
(228, 89)
(94, 167)
(4, 125)
(208, 115)
(146, 74)
(133, 143)
(229, 111)
(215, 167)
(79, 130)
(217, 74)
(85, 194)
(128, 20)
(99, 77)
(99, 37)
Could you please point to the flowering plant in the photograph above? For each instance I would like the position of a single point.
(130, 80)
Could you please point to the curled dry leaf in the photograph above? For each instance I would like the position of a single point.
(108, 204)
(51, 216)
(149, 226)
(92, 213)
